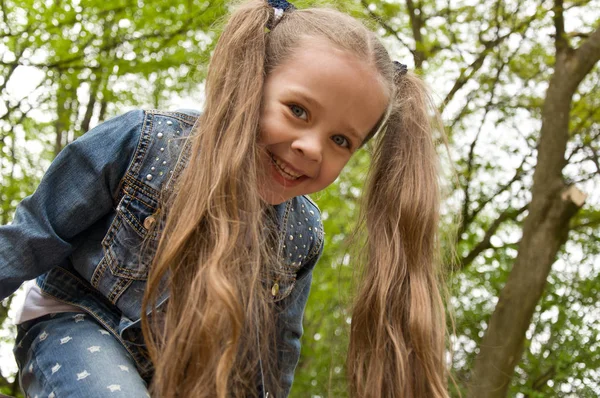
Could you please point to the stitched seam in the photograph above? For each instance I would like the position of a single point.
(141, 148)
(132, 163)
(135, 190)
(138, 186)
(183, 117)
(111, 258)
(138, 228)
(118, 289)
(99, 272)
(120, 272)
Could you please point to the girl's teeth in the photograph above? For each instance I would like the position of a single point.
(283, 170)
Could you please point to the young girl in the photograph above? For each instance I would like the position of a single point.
(176, 250)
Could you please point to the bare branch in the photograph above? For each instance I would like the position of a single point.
(560, 40)
(466, 217)
(508, 214)
(590, 223)
(587, 55)
(489, 47)
(519, 173)
(416, 24)
(387, 28)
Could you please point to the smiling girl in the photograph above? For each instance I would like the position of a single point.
(173, 252)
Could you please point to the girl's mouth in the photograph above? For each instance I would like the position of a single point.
(283, 169)
(284, 173)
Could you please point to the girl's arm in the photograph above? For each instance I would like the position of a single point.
(79, 187)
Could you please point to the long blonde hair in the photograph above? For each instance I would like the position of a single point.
(214, 255)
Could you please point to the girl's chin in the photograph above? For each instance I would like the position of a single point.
(275, 194)
(272, 198)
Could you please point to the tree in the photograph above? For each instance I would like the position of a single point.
(554, 203)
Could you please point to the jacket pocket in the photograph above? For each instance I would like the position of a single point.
(130, 244)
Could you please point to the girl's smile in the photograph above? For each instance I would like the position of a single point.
(284, 173)
(318, 107)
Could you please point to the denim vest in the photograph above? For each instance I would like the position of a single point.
(81, 232)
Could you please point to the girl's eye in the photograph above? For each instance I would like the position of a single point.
(299, 112)
(340, 140)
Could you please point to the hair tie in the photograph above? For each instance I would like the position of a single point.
(279, 7)
(399, 69)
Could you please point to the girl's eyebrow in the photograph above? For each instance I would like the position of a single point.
(304, 96)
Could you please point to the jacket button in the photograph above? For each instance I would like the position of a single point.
(275, 289)
(149, 222)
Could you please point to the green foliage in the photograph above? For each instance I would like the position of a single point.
(80, 62)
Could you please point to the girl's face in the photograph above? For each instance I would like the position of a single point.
(318, 107)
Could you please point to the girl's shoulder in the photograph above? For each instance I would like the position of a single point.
(312, 202)
(304, 229)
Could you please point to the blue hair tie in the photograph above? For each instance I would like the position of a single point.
(279, 7)
(281, 4)
(400, 69)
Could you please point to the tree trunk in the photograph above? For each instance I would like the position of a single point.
(546, 226)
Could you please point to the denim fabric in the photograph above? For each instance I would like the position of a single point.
(72, 355)
(81, 232)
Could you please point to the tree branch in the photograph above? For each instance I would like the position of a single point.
(508, 214)
(516, 177)
(387, 28)
(587, 55)
(468, 72)
(560, 41)
(416, 24)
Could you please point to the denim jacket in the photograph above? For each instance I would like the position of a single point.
(80, 233)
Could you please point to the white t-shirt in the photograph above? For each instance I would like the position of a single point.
(36, 304)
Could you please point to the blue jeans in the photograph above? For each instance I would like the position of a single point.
(72, 355)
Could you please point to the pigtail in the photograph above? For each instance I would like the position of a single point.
(218, 328)
(398, 325)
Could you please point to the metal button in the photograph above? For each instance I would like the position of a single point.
(149, 222)
(275, 289)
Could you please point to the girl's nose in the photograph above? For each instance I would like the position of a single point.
(309, 146)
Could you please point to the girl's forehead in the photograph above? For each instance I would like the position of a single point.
(319, 58)
(334, 82)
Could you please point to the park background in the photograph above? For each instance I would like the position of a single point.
(517, 84)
